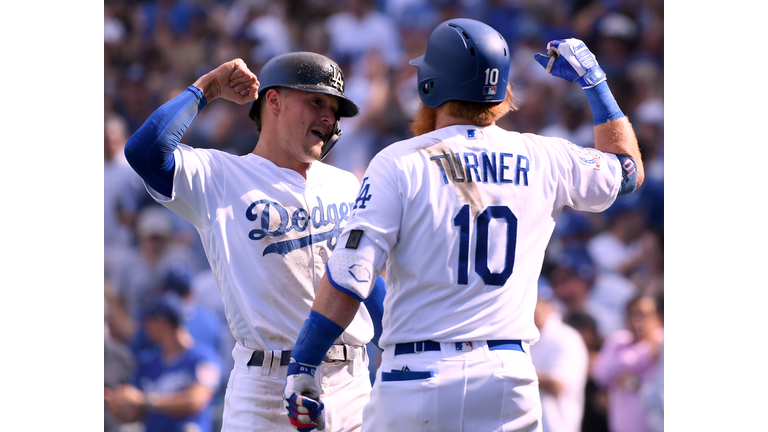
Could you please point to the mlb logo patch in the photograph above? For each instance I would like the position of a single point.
(463, 346)
(489, 90)
(475, 134)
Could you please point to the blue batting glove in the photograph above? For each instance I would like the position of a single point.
(301, 397)
(570, 59)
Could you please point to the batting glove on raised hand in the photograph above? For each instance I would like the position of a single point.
(570, 59)
(301, 398)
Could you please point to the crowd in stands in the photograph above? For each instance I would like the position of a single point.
(603, 275)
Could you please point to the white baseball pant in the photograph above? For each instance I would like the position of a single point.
(471, 389)
(254, 396)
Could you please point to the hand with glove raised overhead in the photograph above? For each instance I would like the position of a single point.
(570, 59)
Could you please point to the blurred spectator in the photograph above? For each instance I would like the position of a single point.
(627, 249)
(648, 122)
(123, 191)
(202, 324)
(579, 287)
(140, 276)
(627, 361)
(573, 121)
(595, 398)
(652, 392)
(561, 361)
(369, 88)
(535, 108)
(358, 28)
(423, 13)
(404, 97)
(573, 229)
(121, 325)
(119, 363)
(174, 383)
(267, 29)
(615, 38)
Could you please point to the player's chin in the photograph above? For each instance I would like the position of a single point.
(314, 148)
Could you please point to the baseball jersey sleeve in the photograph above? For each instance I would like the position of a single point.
(372, 231)
(379, 207)
(588, 179)
(197, 186)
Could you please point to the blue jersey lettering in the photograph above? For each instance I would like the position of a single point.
(261, 211)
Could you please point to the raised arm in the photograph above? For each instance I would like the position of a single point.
(571, 60)
(150, 149)
(232, 81)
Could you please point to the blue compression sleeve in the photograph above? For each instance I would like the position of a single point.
(375, 305)
(150, 149)
(315, 339)
(603, 104)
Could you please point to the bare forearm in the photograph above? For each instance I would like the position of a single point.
(335, 305)
(618, 137)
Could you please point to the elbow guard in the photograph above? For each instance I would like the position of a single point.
(355, 268)
(628, 175)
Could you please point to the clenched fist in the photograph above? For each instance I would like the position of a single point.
(232, 81)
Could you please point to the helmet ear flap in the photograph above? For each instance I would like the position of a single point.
(331, 141)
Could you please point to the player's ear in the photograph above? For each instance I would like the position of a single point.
(273, 98)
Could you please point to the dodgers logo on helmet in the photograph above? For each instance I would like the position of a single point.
(337, 79)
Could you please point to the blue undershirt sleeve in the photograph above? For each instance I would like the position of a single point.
(149, 151)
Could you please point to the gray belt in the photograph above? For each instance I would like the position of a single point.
(336, 354)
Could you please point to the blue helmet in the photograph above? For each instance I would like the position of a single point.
(466, 60)
(576, 259)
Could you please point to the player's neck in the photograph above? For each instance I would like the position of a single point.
(443, 120)
(270, 150)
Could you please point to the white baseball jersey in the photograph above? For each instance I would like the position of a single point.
(465, 214)
(268, 233)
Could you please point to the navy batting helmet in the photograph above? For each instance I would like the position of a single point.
(310, 72)
(466, 60)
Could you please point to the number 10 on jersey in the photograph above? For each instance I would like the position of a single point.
(464, 222)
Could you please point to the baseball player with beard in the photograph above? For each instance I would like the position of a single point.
(268, 221)
(461, 214)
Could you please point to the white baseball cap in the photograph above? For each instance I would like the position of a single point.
(154, 221)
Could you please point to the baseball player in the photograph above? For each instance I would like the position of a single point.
(461, 215)
(268, 221)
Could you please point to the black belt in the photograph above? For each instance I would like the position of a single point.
(337, 353)
(257, 358)
(418, 347)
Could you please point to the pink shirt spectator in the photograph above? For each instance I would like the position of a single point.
(622, 367)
